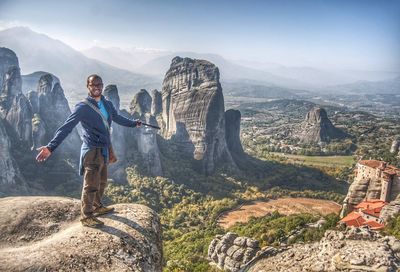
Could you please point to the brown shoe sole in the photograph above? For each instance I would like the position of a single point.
(98, 213)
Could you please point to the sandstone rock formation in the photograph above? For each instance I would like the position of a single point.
(156, 105)
(53, 111)
(232, 133)
(232, 252)
(352, 250)
(19, 116)
(8, 60)
(146, 137)
(141, 102)
(52, 239)
(111, 93)
(9, 171)
(10, 88)
(317, 128)
(30, 82)
(193, 112)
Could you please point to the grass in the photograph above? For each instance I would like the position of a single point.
(327, 161)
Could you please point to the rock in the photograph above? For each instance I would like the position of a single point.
(11, 87)
(38, 131)
(351, 250)
(156, 105)
(34, 101)
(8, 60)
(395, 146)
(111, 93)
(193, 112)
(19, 116)
(231, 252)
(30, 81)
(232, 130)
(390, 210)
(141, 103)
(53, 111)
(317, 128)
(55, 239)
(9, 171)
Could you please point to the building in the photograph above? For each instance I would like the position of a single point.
(387, 176)
(367, 213)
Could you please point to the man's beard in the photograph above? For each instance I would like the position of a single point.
(95, 93)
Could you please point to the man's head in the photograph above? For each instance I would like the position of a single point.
(95, 85)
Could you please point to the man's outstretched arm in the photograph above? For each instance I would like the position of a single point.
(61, 133)
(120, 120)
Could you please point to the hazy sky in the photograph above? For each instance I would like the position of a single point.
(344, 34)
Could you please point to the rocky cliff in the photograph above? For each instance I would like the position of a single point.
(193, 112)
(231, 252)
(156, 106)
(352, 250)
(52, 239)
(317, 128)
(8, 59)
(146, 138)
(9, 170)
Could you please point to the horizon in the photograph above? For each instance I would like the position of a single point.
(351, 35)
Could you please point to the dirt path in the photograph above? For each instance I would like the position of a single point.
(286, 206)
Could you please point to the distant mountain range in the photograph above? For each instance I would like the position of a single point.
(134, 69)
(390, 86)
(39, 52)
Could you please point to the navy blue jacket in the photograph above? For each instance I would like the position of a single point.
(95, 133)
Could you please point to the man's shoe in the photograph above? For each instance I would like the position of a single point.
(92, 222)
(103, 210)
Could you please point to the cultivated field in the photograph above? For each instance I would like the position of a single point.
(285, 206)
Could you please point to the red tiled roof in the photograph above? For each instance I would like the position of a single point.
(371, 204)
(353, 219)
(374, 225)
(376, 164)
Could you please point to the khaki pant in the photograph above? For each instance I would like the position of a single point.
(94, 181)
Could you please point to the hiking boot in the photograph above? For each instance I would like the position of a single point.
(92, 222)
(102, 210)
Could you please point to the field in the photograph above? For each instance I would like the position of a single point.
(286, 206)
(327, 161)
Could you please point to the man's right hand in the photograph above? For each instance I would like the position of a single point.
(44, 153)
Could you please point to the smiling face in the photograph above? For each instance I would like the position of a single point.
(95, 86)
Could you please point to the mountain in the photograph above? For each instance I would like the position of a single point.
(317, 128)
(389, 86)
(130, 59)
(230, 71)
(39, 52)
(318, 77)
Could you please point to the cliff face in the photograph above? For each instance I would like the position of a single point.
(8, 60)
(193, 111)
(53, 239)
(53, 111)
(146, 138)
(317, 128)
(9, 171)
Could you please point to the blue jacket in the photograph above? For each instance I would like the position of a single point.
(95, 133)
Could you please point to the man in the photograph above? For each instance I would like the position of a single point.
(95, 153)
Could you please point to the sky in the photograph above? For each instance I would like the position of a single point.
(333, 34)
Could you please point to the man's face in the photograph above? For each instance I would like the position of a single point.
(95, 87)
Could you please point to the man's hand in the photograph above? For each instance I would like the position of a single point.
(138, 123)
(44, 153)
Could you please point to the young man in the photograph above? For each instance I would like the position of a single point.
(95, 148)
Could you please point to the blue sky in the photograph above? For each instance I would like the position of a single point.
(348, 34)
